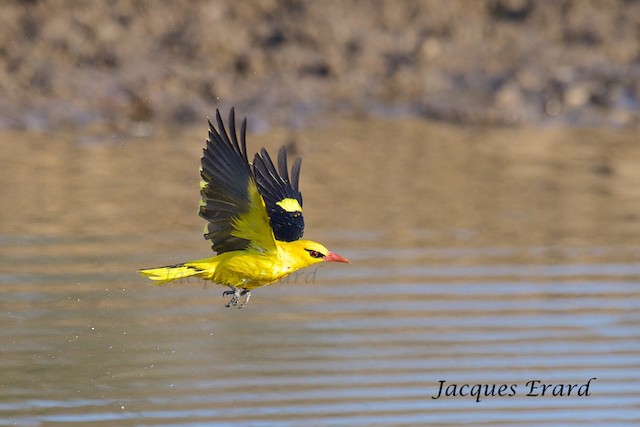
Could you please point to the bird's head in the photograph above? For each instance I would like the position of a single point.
(308, 252)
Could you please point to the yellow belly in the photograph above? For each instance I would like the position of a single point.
(244, 270)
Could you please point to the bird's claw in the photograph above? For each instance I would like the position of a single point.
(235, 298)
(246, 293)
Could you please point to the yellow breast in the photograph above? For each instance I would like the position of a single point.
(249, 269)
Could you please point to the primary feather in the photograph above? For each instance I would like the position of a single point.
(282, 199)
(254, 217)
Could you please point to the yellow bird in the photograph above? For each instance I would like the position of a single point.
(254, 215)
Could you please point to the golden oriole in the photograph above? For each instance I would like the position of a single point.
(254, 214)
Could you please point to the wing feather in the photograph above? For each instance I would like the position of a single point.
(281, 196)
(295, 174)
(230, 199)
(282, 163)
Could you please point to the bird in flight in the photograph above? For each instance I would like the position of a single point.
(254, 214)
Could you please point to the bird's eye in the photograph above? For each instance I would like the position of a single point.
(315, 254)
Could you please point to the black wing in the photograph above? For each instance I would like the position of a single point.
(230, 199)
(280, 194)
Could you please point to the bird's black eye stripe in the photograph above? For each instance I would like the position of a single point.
(314, 254)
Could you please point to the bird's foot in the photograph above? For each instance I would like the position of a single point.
(235, 297)
(235, 292)
(247, 294)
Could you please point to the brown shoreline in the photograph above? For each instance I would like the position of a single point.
(128, 65)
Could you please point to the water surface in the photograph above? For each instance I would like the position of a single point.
(479, 256)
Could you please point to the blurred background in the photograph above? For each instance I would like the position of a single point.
(477, 161)
(496, 61)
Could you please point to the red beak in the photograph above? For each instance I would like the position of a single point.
(335, 258)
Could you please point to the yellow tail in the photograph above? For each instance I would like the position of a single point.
(166, 274)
